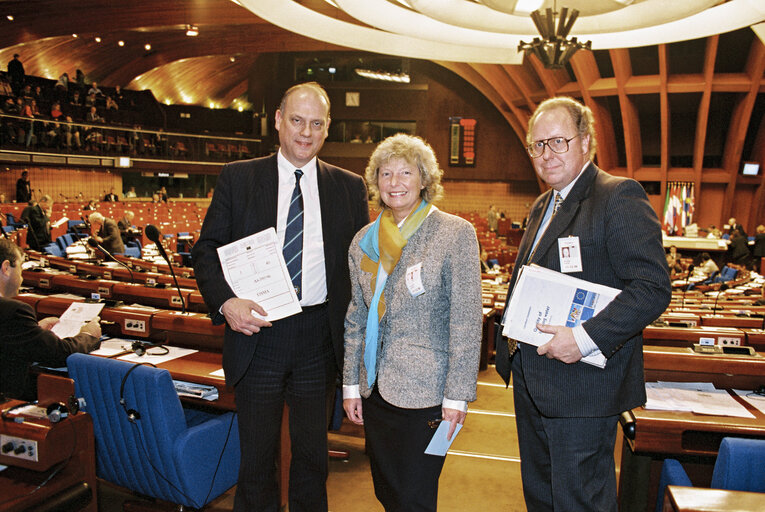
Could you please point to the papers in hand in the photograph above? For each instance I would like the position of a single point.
(254, 268)
(543, 296)
(439, 444)
(75, 316)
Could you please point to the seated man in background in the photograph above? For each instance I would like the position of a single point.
(23, 340)
(107, 233)
(125, 223)
(708, 265)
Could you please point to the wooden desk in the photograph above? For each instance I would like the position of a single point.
(696, 499)
(688, 336)
(651, 436)
(66, 447)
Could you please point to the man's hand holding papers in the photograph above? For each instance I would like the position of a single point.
(545, 307)
(240, 317)
(562, 346)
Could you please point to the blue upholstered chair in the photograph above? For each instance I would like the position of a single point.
(740, 466)
(164, 451)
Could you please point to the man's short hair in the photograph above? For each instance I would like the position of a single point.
(9, 251)
(96, 217)
(313, 86)
(581, 115)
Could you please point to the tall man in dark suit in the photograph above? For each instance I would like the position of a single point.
(295, 359)
(37, 216)
(567, 410)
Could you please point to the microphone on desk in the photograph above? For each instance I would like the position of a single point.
(152, 233)
(687, 284)
(93, 243)
(720, 291)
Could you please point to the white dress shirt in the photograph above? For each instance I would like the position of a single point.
(314, 272)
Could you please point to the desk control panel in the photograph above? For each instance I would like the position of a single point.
(18, 448)
(135, 325)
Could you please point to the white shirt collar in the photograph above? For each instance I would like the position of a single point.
(287, 169)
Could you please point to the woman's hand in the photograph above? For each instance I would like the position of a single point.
(453, 416)
(352, 408)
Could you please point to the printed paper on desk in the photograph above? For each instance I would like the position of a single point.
(254, 268)
(547, 297)
(75, 316)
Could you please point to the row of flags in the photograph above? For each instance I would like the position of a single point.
(678, 207)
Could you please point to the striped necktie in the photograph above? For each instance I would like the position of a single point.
(557, 203)
(293, 237)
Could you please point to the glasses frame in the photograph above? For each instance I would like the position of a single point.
(546, 142)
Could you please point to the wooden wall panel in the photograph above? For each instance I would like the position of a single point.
(61, 183)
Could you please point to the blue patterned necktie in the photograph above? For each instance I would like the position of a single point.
(293, 237)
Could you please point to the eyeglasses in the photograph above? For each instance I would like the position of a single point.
(556, 144)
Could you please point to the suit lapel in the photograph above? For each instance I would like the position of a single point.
(566, 213)
(265, 188)
(535, 220)
(326, 198)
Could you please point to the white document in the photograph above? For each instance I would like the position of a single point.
(254, 268)
(112, 347)
(695, 399)
(753, 399)
(544, 296)
(75, 316)
(155, 355)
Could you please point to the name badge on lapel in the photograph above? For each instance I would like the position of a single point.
(569, 254)
(414, 280)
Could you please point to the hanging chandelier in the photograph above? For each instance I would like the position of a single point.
(553, 49)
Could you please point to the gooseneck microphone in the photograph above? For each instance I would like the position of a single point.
(152, 233)
(687, 284)
(720, 291)
(93, 243)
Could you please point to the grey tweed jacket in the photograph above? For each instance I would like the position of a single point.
(429, 345)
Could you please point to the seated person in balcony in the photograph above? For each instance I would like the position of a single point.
(111, 104)
(163, 194)
(118, 96)
(92, 204)
(111, 196)
(8, 128)
(155, 198)
(106, 233)
(131, 193)
(24, 340)
(37, 94)
(76, 99)
(53, 130)
(71, 134)
(90, 100)
(708, 265)
(94, 90)
(29, 109)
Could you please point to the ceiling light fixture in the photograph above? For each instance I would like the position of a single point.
(192, 30)
(383, 75)
(10, 17)
(147, 47)
(98, 39)
(554, 50)
(120, 43)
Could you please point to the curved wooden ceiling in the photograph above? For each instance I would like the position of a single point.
(616, 84)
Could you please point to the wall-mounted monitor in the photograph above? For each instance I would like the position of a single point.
(750, 169)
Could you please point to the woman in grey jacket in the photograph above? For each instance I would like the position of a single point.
(413, 327)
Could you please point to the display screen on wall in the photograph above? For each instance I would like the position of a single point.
(462, 141)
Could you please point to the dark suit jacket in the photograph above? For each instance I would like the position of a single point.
(39, 228)
(112, 236)
(621, 247)
(23, 342)
(245, 203)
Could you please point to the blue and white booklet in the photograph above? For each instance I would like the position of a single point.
(544, 296)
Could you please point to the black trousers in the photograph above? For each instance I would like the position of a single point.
(293, 363)
(567, 464)
(405, 478)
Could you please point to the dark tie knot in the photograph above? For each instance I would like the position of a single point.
(298, 175)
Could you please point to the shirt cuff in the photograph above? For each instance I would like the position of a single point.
(351, 391)
(460, 405)
(583, 341)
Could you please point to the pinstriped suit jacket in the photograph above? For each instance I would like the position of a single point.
(621, 247)
(430, 344)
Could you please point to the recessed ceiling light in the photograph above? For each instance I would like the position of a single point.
(192, 30)
(98, 39)
(121, 43)
(232, 58)
(75, 36)
(147, 47)
(10, 17)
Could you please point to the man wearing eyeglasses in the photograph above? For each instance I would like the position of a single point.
(567, 410)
